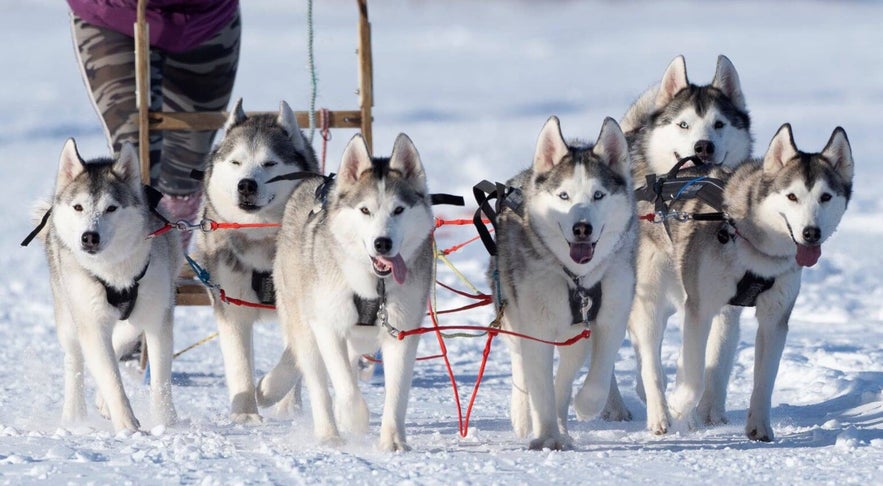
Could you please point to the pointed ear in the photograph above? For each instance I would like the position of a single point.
(70, 165)
(126, 167)
(288, 121)
(355, 160)
(551, 147)
(781, 150)
(406, 160)
(839, 154)
(613, 148)
(237, 116)
(673, 80)
(726, 79)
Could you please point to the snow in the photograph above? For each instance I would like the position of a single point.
(472, 84)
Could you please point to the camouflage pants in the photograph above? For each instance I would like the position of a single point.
(200, 79)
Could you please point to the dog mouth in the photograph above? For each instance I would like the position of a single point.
(250, 205)
(704, 158)
(807, 255)
(582, 252)
(386, 266)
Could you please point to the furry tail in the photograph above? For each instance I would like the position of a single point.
(640, 110)
(39, 216)
(279, 381)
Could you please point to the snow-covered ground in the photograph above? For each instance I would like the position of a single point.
(472, 83)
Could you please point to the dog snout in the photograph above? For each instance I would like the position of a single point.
(247, 187)
(704, 149)
(90, 240)
(582, 231)
(383, 245)
(812, 234)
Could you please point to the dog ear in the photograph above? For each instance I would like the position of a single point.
(781, 150)
(126, 167)
(838, 153)
(551, 147)
(726, 79)
(237, 116)
(70, 165)
(288, 121)
(613, 148)
(355, 160)
(673, 80)
(406, 160)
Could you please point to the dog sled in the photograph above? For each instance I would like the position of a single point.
(190, 291)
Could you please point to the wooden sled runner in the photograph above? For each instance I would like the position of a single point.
(191, 291)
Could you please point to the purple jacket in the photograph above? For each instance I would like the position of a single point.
(175, 25)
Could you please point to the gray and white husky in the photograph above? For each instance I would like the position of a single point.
(779, 212)
(238, 188)
(106, 275)
(565, 260)
(672, 120)
(354, 264)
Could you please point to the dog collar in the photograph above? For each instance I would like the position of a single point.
(124, 299)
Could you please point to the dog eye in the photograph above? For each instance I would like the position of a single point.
(78, 207)
(111, 209)
(683, 125)
(598, 195)
(365, 211)
(718, 125)
(826, 197)
(269, 164)
(564, 196)
(398, 210)
(235, 162)
(792, 197)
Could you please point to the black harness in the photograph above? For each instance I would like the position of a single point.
(262, 284)
(665, 190)
(369, 309)
(124, 299)
(584, 303)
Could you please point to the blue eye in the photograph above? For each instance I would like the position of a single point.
(683, 125)
(564, 196)
(598, 195)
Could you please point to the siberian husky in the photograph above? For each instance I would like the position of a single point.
(106, 275)
(565, 260)
(239, 187)
(779, 211)
(353, 267)
(670, 121)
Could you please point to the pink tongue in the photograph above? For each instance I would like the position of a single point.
(399, 269)
(581, 252)
(807, 256)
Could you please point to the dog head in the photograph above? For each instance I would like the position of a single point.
(99, 209)
(806, 194)
(254, 150)
(580, 195)
(708, 121)
(380, 207)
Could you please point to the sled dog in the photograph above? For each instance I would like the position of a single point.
(565, 260)
(354, 264)
(106, 275)
(239, 187)
(779, 211)
(670, 121)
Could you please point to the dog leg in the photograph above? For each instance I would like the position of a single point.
(773, 312)
(519, 404)
(237, 350)
(282, 379)
(350, 408)
(159, 352)
(398, 369)
(95, 338)
(541, 395)
(615, 409)
(722, 343)
(691, 370)
(570, 360)
(315, 377)
(646, 327)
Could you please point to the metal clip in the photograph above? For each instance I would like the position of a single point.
(383, 317)
(585, 305)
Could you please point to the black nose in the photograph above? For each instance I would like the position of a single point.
(383, 245)
(582, 231)
(812, 234)
(247, 187)
(704, 149)
(90, 240)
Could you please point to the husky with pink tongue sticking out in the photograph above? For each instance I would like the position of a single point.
(565, 261)
(353, 266)
(778, 211)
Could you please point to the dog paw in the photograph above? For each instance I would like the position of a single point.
(101, 406)
(558, 443)
(658, 422)
(712, 416)
(246, 418)
(618, 414)
(126, 426)
(331, 441)
(759, 430)
(393, 444)
(352, 415)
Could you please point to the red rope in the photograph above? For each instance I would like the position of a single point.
(218, 226)
(648, 217)
(243, 303)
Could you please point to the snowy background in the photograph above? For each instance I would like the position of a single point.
(472, 84)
